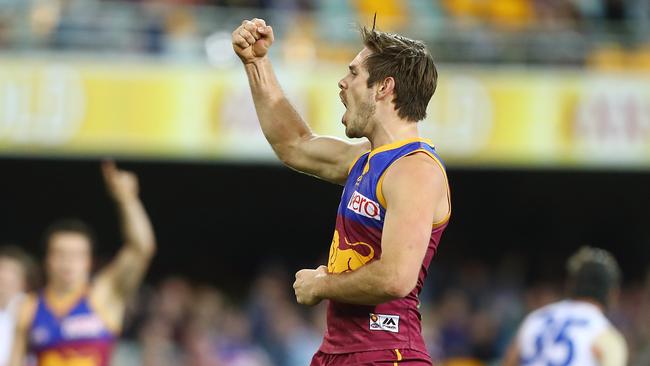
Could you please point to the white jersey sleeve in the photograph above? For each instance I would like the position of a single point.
(561, 334)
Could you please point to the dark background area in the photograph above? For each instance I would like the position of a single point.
(223, 224)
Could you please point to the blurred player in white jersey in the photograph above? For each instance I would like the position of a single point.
(575, 331)
(15, 269)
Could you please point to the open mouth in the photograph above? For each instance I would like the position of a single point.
(343, 101)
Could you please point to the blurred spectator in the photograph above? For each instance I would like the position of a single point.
(524, 31)
(454, 314)
(16, 271)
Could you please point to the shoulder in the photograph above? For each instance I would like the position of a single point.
(611, 336)
(415, 171)
(610, 347)
(101, 288)
(541, 313)
(415, 180)
(418, 167)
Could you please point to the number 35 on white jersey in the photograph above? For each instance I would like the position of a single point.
(570, 333)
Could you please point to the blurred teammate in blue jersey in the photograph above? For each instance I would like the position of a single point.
(75, 320)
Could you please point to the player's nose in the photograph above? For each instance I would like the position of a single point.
(342, 84)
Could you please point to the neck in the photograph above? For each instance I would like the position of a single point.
(62, 290)
(391, 130)
(590, 301)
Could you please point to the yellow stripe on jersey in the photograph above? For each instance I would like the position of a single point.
(399, 357)
(62, 305)
(396, 144)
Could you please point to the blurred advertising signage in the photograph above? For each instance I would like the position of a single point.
(478, 116)
(542, 118)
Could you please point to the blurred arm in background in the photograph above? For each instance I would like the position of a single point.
(511, 357)
(291, 138)
(116, 283)
(120, 279)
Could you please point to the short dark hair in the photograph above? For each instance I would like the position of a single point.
(30, 269)
(592, 274)
(409, 63)
(68, 225)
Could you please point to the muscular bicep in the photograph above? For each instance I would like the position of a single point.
(413, 189)
(325, 157)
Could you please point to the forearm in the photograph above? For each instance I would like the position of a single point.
(17, 356)
(17, 359)
(511, 357)
(368, 285)
(136, 226)
(280, 122)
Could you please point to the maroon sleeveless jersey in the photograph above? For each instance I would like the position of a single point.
(357, 241)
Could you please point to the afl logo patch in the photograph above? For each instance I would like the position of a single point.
(388, 323)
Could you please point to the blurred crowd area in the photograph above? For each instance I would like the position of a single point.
(597, 33)
(470, 314)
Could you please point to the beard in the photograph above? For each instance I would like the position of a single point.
(357, 125)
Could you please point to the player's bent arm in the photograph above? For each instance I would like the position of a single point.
(290, 137)
(413, 188)
(610, 348)
(124, 274)
(21, 332)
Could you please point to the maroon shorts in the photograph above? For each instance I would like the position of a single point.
(393, 357)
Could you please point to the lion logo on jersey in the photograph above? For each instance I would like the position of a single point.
(346, 256)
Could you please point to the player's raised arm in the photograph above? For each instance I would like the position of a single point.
(291, 138)
(124, 274)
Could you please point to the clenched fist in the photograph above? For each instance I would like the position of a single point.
(122, 185)
(306, 285)
(252, 40)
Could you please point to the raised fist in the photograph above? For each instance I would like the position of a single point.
(122, 185)
(252, 40)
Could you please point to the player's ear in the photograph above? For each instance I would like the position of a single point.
(386, 88)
